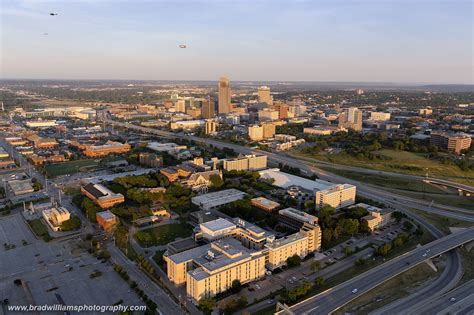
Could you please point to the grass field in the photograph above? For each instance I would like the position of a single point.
(400, 161)
(442, 223)
(394, 289)
(39, 229)
(387, 181)
(70, 167)
(164, 234)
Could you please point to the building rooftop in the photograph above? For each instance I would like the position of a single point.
(285, 240)
(106, 215)
(265, 202)
(218, 198)
(285, 180)
(218, 224)
(299, 215)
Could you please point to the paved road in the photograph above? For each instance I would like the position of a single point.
(457, 301)
(338, 296)
(165, 304)
(448, 279)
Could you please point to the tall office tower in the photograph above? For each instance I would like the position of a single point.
(210, 126)
(264, 95)
(224, 96)
(282, 109)
(180, 106)
(207, 109)
(351, 118)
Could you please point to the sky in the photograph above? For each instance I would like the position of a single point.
(402, 41)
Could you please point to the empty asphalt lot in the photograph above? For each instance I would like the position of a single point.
(46, 267)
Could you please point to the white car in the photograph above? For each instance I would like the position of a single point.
(354, 291)
(424, 255)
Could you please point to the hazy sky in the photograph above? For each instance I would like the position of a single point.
(395, 40)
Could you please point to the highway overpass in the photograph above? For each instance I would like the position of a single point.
(338, 296)
(460, 187)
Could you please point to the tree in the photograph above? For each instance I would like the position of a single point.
(309, 205)
(325, 214)
(347, 251)
(293, 261)
(236, 286)
(216, 181)
(350, 226)
(407, 226)
(383, 249)
(398, 216)
(319, 281)
(315, 265)
(360, 262)
(397, 241)
(327, 235)
(364, 227)
(207, 305)
(143, 238)
(73, 223)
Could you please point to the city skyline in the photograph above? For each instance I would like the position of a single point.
(360, 41)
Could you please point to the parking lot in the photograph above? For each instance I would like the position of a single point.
(55, 268)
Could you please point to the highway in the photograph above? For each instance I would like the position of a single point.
(457, 301)
(336, 297)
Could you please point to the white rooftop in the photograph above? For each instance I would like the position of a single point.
(285, 180)
(218, 224)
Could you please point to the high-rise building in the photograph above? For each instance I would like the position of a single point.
(180, 106)
(282, 109)
(207, 109)
(210, 126)
(268, 114)
(379, 116)
(224, 95)
(351, 118)
(268, 130)
(264, 95)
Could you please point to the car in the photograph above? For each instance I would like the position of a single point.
(452, 299)
(424, 255)
(428, 250)
(354, 291)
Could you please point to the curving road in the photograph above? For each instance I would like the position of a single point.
(336, 297)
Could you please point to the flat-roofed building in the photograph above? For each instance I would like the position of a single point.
(323, 130)
(41, 123)
(106, 220)
(246, 163)
(268, 114)
(376, 218)
(379, 116)
(295, 219)
(265, 204)
(452, 142)
(150, 159)
(217, 199)
(217, 229)
(186, 124)
(20, 186)
(170, 172)
(102, 196)
(337, 196)
(224, 262)
(110, 147)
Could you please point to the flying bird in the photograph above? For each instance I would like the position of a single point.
(53, 14)
(183, 46)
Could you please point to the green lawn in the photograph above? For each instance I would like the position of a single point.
(164, 234)
(70, 167)
(399, 163)
(387, 181)
(442, 223)
(39, 229)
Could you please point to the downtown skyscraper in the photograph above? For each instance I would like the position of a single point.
(224, 95)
